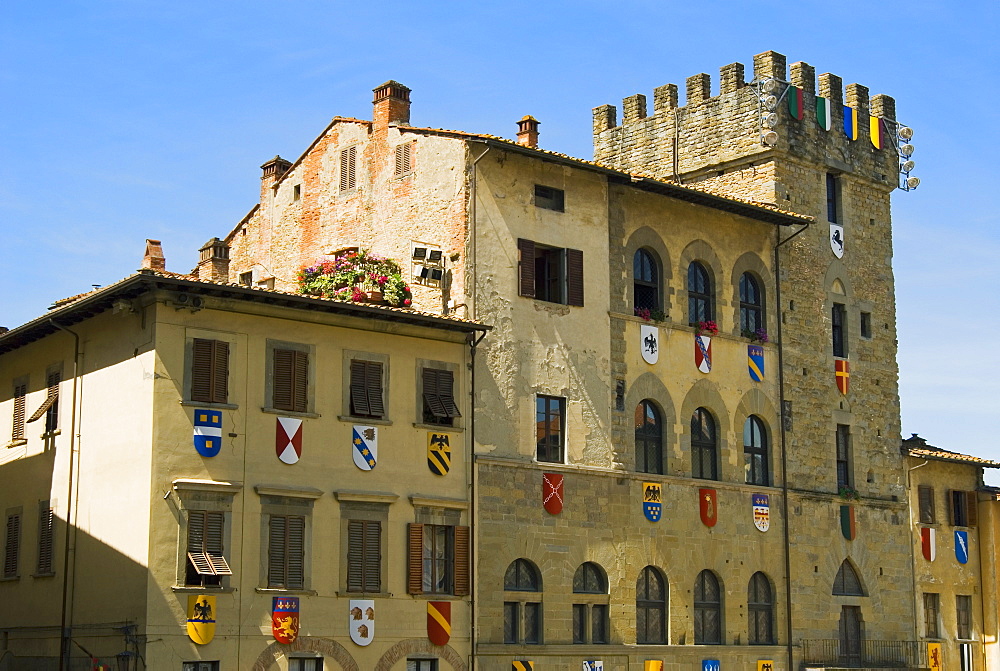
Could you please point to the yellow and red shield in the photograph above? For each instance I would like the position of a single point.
(708, 504)
(201, 618)
(652, 665)
(285, 618)
(934, 656)
(843, 372)
(439, 622)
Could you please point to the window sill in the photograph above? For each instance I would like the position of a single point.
(16, 443)
(440, 428)
(439, 597)
(279, 590)
(192, 589)
(211, 406)
(291, 413)
(10, 578)
(364, 595)
(43, 575)
(375, 421)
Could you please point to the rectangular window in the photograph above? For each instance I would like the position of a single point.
(550, 198)
(246, 279)
(844, 475)
(348, 168)
(550, 273)
(305, 664)
(925, 503)
(839, 323)
(932, 607)
(296, 192)
(210, 371)
(963, 508)
(438, 559)
(579, 623)
(832, 198)
(206, 561)
(291, 380)
(511, 618)
(364, 556)
(200, 666)
(866, 325)
(421, 665)
(599, 623)
(550, 425)
(45, 533)
(286, 552)
(439, 397)
(404, 158)
(366, 389)
(533, 622)
(963, 611)
(12, 545)
(17, 428)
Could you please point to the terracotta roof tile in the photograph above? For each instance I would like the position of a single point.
(917, 447)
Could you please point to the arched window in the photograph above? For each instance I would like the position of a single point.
(847, 582)
(704, 445)
(648, 438)
(707, 610)
(699, 288)
(755, 451)
(650, 608)
(760, 607)
(646, 279)
(751, 305)
(590, 614)
(522, 613)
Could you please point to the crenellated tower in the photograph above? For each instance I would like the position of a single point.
(813, 147)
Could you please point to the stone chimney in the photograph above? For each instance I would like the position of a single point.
(272, 172)
(391, 105)
(527, 131)
(153, 259)
(214, 262)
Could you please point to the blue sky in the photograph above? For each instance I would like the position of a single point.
(127, 119)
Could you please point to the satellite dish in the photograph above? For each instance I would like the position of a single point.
(769, 139)
(905, 132)
(906, 150)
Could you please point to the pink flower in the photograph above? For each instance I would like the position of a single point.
(407, 301)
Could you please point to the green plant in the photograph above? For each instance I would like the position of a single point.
(849, 493)
(351, 274)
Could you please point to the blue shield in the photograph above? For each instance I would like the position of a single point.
(710, 665)
(755, 362)
(962, 546)
(652, 501)
(208, 432)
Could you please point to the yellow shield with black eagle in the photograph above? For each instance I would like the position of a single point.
(201, 618)
(439, 453)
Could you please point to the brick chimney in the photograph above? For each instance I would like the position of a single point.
(214, 262)
(153, 259)
(391, 104)
(527, 131)
(272, 172)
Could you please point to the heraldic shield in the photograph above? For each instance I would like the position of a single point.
(649, 341)
(288, 439)
(755, 362)
(593, 665)
(438, 452)
(652, 665)
(652, 501)
(208, 432)
(928, 543)
(703, 353)
(843, 375)
(201, 618)
(522, 665)
(761, 511)
(708, 506)
(361, 621)
(364, 446)
(439, 622)
(285, 618)
(934, 656)
(962, 546)
(552, 492)
(848, 526)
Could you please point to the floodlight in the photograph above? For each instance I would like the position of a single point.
(769, 120)
(906, 150)
(769, 85)
(905, 132)
(912, 182)
(770, 102)
(907, 167)
(769, 138)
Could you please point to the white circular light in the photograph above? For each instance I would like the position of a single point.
(769, 139)
(907, 167)
(906, 150)
(905, 132)
(912, 182)
(769, 120)
(770, 102)
(769, 85)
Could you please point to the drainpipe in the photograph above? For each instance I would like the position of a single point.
(473, 603)
(784, 445)
(69, 554)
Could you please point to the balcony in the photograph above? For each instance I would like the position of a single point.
(833, 652)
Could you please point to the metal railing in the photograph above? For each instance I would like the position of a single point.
(864, 653)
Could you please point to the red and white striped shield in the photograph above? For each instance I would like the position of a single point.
(288, 439)
(552, 492)
(928, 544)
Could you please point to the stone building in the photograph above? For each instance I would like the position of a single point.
(204, 441)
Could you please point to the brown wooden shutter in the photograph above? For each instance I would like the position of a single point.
(45, 532)
(574, 277)
(348, 174)
(373, 556)
(446, 392)
(951, 507)
(50, 399)
(12, 546)
(373, 387)
(201, 370)
(971, 509)
(355, 556)
(461, 561)
(276, 551)
(282, 382)
(526, 267)
(295, 572)
(415, 559)
(432, 398)
(17, 432)
(220, 372)
(925, 503)
(359, 394)
(300, 377)
(215, 526)
(404, 160)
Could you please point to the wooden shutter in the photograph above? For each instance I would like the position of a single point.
(50, 399)
(290, 385)
(526, 267)
(210, 371)
(404, 158)
(215, 526)
(373, 556)
(12, 546)
(925, 503)
(446, 392)
(971, 509)
(359, 393)
(348, 163)
(276, 551)
(220, 372)
(373, 385)
(300, 380)
(462, 561)
(574, 277)
(951, 507)
(45, 519)
(415, 559)
(355, 556)
(432, 398)
(17, 432)
(295, 572)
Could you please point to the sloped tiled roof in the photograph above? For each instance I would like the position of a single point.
(915, 446)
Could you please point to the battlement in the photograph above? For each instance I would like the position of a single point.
(712, 132)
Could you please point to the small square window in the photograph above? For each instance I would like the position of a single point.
(404, 159)
(550, 198)
(866, 325)
(246, 279)
(296, 192)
